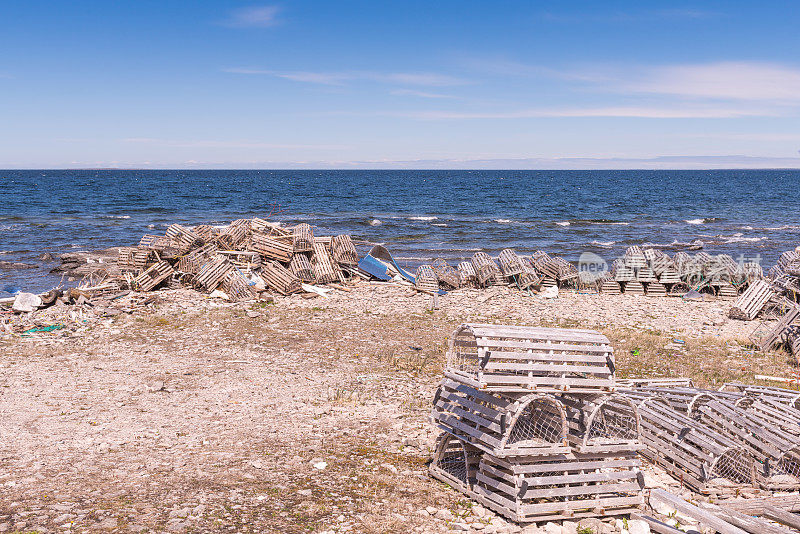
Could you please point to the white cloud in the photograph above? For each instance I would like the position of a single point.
(340, 78)
(728, 80)
(420, 94)
(665, 112)
(257, 17)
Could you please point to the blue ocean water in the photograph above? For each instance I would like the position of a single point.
(419, 215)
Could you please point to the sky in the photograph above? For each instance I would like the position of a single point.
(201, 84)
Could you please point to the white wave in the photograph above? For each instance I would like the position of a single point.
(151, 225)
(563, 223)
(604, 244)
(695, 221)
(503, 221)
(613, 223)
(740, 239)
(375, 222)
(115, 217)
(784, 227)
(439, 224)
(420, 218)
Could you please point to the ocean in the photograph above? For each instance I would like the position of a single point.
(418, 215)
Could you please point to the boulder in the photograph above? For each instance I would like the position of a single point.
(26, 302)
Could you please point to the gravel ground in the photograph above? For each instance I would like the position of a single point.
(194, 415)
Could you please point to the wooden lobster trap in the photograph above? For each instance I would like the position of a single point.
(272, 228)
(234, 234)
(776, 451)
(302, 269)
(487, 270)
(183, 238)
(243, 259)
(790, 397)
(622, 272)
(563, 486)
(751, 302)
(194, 260)
(271, 248)
(567, 273)
(446, 274)
(510, 263)
(322, 263)
(279, 278)
(608, 286)
(236, 286)
(544, 264)
(602, 423)
(656, 289)
(686, 399)
(669, 276)
(425, 279)
(159, 244)
(524, 359)
(699, 457)
(646, 274)
(344, 251)
(529, 277)
(502, 425)
(455, 463)
(149, 279)
(467, 274)
(303, 238)
(126, 259)
(212, 273)
(784, 416)
(634, 257)
(206, 232)
(768, 333)
(634, 287)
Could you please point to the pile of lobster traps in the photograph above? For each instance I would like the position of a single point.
(652, 272)
(241, 259)
(531, 426)
(716, 442)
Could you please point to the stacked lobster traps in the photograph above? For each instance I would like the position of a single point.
(241, 259)
(531, 426)
(716, 442)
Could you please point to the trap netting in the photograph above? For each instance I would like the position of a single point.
(455, 462)
(602, 423)
(499, 424)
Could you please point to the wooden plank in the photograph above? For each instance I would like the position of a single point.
(702, 516)
(782, 516)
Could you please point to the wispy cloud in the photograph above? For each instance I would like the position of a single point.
(340, 78)
(665, 112)
(253, 17)
(200, 143)
(420, 94)
(725, 80)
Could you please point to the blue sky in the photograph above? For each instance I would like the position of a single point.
(184, 84)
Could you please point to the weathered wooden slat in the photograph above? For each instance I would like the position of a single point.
(658, 496)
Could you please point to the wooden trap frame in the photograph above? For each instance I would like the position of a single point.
(279, 278)
(634, 257)
(685, 399)
(669, 276)
(567, 273)
(790, 397)
(183, 238)
(236, 286)
(563, 486)
(656, 289)
(322, 263)
(697, 456)
(529, 277)
(234, 234)
(524, 359)
(622, 272)
(776, 451)
(510, 263)
(455, 463)
(149, 279)
(610, 287)
(487, 270)
(544, 264)
(607, 423)
(425, 279)
(271, 248)
(752, 301)
(344, 251)
(125, 259)
(303, 238)
(504, 426)
(466, 271)
(211, 273)
(206, 232)
(302, 269)
(646, 274)
(768, 334)
(634, 287)
(194, 260)
(446, 274)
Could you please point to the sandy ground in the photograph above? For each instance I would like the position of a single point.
(195, 415)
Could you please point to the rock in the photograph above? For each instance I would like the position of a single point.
(460, 526)
(638, 527)
(305, 492)
(431, 510)
(46, 257)
(26, 302)
(549, 293)
(108, 524)
(444, 514)
(552, 528)
(593, 524)
(253, 314)
(569, 527)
